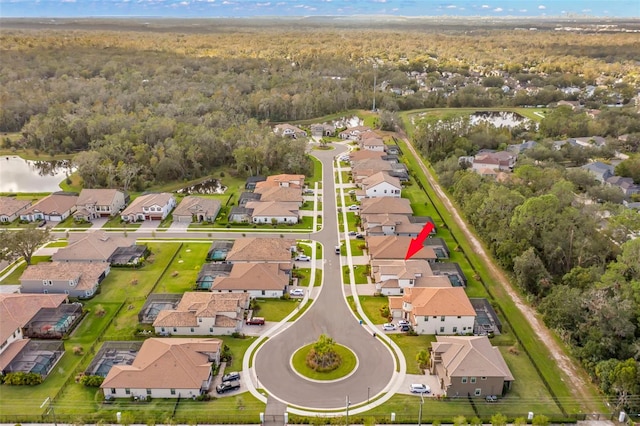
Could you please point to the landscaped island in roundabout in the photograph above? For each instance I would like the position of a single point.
(324, 360)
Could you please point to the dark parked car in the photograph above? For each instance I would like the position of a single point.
(234, 375)
(255, 321)
(405, 327)
(228, 386)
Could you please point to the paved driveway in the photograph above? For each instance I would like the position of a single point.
(329, 315)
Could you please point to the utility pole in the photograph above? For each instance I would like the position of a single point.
(348, 403)
(50, 409)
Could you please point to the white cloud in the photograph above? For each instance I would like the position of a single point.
(523, 11)
(379, 1)
(263, 4)
(485, 6)
(452, 6)
(542, 7)
(498, 9)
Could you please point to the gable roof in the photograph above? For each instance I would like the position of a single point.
(194, 305)
(252, 276)
(395, 247)
(273, 208)
(98, 245)
(11, 205)
(191, 205)
(386, 205)
(166, 363)
(261, 249)
(87, 274)
(471, 356)
(280, 194)
(381, 177)
(293, 181)
(365, 154)
(439, 301)
(147, 200)
(99, 197)
(53, 204)
(16, 309)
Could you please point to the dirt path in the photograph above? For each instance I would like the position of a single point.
(572, 375)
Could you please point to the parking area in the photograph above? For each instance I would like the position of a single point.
(427, 379)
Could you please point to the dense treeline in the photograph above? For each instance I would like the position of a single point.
(579, 269)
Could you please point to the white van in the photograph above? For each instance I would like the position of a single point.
(337, 249)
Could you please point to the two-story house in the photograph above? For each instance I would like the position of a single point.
(392, 277)
(156, 206)
(381, 184)
(95, 203)
(75, 279)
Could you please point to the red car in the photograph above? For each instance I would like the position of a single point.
(255, 321)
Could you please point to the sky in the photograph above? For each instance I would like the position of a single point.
(259, 8)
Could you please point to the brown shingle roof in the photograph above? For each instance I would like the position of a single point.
(191, 205)
(281, 194)
(11, 205)
(253, 276)
(88, 273)
(394, 247)
(469, 356)
(439, 301)
(166, 363)
(273, 208)
(160, 199)
(379, 178)
(261, 249)
(54, 204)
(99, 197)
(386, 205)
(98, 246)
(200, 304)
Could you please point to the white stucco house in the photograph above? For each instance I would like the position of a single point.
(381, 184)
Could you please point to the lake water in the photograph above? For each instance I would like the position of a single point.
(20, 175)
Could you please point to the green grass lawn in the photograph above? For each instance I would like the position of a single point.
(71, 223)
(57, 243)
(317, 172)
(238, 347)
(410, 346)
(407, 408)
(360, 273)
(347, 365)
(357, 247)
(117, 222)
(371, 305)
(242, 408)
(275, 309)
(183, 271)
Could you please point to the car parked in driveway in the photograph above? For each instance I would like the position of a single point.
(296, 292)
(228, 386)
(302, 258)
(255, 321)
(354, 207)
(419, 388)
(403, 322)
(389, 327)
(233, 375)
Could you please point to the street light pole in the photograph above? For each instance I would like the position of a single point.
(348, 402)
(375, 75)
(420, 413)
(368, 390)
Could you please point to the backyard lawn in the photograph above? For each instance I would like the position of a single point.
(372, 306)
(275, 309)
(410, 346)
(183, 271)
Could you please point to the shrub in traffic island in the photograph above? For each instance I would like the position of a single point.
(322, 357)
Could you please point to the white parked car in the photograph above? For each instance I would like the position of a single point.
(419, 388)
(302, 258)
(354, 207)
(296, 292)
(389, 327)
(403, 322)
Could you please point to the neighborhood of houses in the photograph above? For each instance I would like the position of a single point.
(426, 292)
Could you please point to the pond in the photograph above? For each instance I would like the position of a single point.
(499, 118)
(20, 175)
(211, 186)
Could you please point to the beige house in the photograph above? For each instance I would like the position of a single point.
(264, 250)
(290, 131)
(435, 310)
(95, 203)
(273, 212)
(371, 141)
(469, 365)
(91, 247)
(149, 207)
(203, 313)
(11, 208)
(254, 279)
(55, 208)
(198, 209)
(394, 247)
(356, 156)
(392, 277)
(282, 180)
(388, 205)
(381, 184)
(165, 368)
(280, 194)
(75, 279)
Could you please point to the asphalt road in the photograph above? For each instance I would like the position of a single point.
(330, 315)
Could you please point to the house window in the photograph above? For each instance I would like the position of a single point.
(199, 319)
(263, 292)
(473, 380)
(210, 329)
(442, 318)
(175, 330)
(162, 329)
(113, 391)
(127, 391)
(426, 319)
(478, 392)
(173, 391)
(459, 317)
(191, 329)
(434, 317)
(148, 391)
(483, 378)
(455, 329)
(441, 329)
(464, 380)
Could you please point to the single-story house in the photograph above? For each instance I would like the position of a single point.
(165, 368)
(274, 212)
(54, 208)
(250, 183)
(353, 133)
(281, 180)
(255, 279)
(265, 250)
(198, 209)
(389, 205)
(322, 129)
(288, 130)
(392, 277)
(501, 160)
(280, 194)
(204, 313)
(599, 170)
(91, 247)
(435, 310)
(371, 141)
(469, 365)
(95, 203)
(75, 279)
(209, 272)
(156, 206)
(395, 224)
(11, 208)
